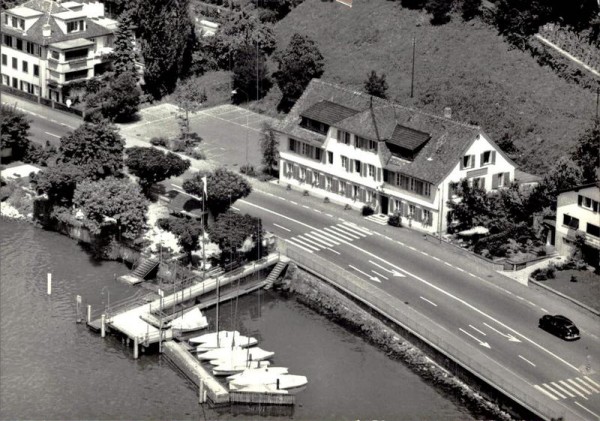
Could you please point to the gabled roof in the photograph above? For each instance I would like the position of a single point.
(381, 120)
(327, 112)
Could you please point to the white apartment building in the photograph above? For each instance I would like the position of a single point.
(578, 211)
(46, 45)
(361, 150)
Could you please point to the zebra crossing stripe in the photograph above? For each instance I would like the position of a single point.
(562, 389)
(574, 383)
(591, 381)
(541, 389)
(345, 237)
(356, 227)
(342, 232)
(332, 237)
(345, 228)
(298, 245)
(325, 237)
(310, 241)
(318, 240)
(580, 380)
(560, 395)
(565, 384)
(304, 243)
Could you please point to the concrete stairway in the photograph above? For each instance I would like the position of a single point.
(143, 269)
(277, 270)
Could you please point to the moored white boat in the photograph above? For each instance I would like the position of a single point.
(227, 339)
(255, 372)
(228, 369)
(212, 336)
(190, 321)
(230, 355)
(270, 382)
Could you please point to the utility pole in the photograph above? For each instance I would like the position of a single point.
(597, 103)
(412, 77)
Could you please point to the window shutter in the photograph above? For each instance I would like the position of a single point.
(462, 163)
(405, 209)
(418, 214)
(579, 200)
(378, 174)
(322, 181)
(493, 157)
(348, 190)
(481, 163)
(363, 195)
(495, 180)
(351, 166)
(308, 176)
(335, 186)
(506, 179)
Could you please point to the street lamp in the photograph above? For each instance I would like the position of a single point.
(234, 92)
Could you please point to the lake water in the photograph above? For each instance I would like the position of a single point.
(53, 368)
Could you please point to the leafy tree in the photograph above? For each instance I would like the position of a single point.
(124, 52)
(518, 19)
(269, 145)
(413, 4)
(188, 232)
(14, 131)
(280, 7)
(440, 9)
(300, 62)
(223, 188)
(189, 97)
(376, 85)
(231, 231)
(473, 208)
(58, 182)
(153, 166)
(587, 153)
(167, 35)
(115, 198)
(120, 100)
(250, 75)
(564, 175)
(470, 9)
(96, 148)
(241, 31)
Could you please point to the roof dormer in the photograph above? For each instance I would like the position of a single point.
(20, 18)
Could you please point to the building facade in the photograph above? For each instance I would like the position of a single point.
(361, 150)
(577, 213)
(48, 45)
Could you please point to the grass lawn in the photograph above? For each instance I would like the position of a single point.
(466, 66)
(586, 289)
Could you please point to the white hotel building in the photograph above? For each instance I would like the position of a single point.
(47, 44)
(357, 149)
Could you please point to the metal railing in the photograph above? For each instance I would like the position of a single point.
(393, 309)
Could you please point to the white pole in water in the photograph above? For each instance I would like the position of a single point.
(89, 313)
(49, 283)
(103, 326)
(201, 391)
(135, 348)
(79, 309)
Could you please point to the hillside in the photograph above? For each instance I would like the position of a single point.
(466, 66)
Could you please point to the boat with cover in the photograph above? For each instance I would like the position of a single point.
(190, 321)
(253, 372)
(227, 339)
(269, 381)
(232, 368)
(220, 356)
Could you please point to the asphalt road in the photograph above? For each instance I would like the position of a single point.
(496, 325)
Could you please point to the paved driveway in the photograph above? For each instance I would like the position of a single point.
(231, 134)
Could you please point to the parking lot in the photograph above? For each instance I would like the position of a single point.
(230, 134)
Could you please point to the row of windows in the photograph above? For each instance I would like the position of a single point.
(573, 223)
(501, 179)
(24, 65)
(19, 44)
(415, 213)
(486, 158)
(356, 166)
(305, 149)
(14, 22)
(588, 203)
(75, 26)
(405, 182)
(359, 142)
(20, 84)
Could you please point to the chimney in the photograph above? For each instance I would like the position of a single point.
(46, 31)
(447, 112)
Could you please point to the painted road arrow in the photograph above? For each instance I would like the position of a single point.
(477, 339)
(508, 336)
(372, 278)
(393, 272)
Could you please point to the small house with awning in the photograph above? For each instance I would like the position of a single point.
(360, 150)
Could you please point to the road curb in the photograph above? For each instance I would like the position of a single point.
(560, 294)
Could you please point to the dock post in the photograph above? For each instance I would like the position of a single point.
(49, 291)
(103, 326)
(89, 313)
(201, 391)
(78, 309)
(135, 348)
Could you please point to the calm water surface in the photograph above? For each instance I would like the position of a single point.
(52, 368)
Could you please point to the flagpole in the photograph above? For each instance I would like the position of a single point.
(204, 197)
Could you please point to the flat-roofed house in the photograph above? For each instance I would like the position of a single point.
(362, 150)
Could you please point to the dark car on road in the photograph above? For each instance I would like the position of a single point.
(560, 326)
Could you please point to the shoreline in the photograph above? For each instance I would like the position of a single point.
(326, 300)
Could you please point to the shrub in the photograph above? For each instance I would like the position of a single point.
(367, 210)
(178, 145)
(195, 153)
(395, 220)
(248, 169)
(264, 177)
(326, 200)
(347, 207)
(160, 141)
(305, 193)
